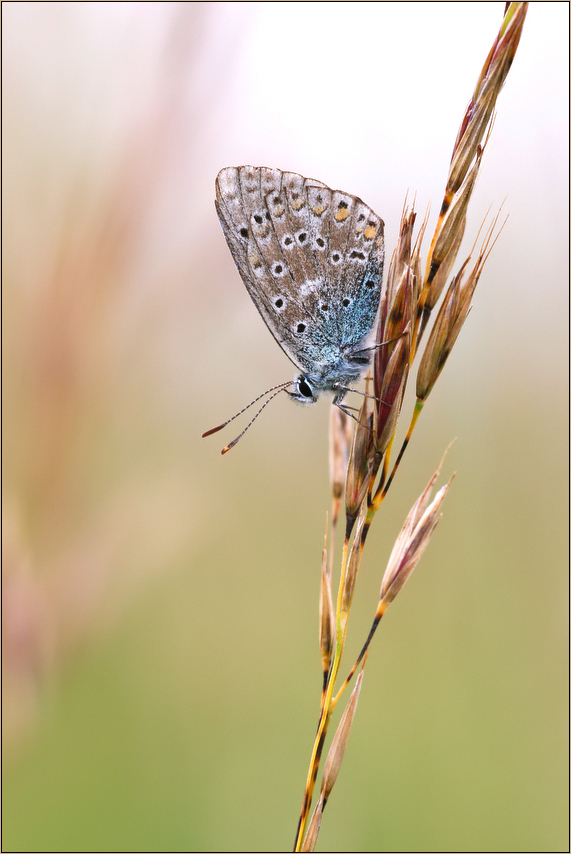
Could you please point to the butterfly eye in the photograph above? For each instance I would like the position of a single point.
(304, 388)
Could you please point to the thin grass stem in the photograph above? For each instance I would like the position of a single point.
(326, 709)
(363, 654)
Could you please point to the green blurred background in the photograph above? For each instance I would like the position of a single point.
(161, 671)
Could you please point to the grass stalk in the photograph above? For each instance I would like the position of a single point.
(406, 305)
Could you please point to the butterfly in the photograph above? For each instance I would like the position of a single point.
(312, 260)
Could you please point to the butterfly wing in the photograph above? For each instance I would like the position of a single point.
(356, 257)
(310, 258)
(266, 237)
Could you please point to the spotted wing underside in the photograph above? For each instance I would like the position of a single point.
(311, 259)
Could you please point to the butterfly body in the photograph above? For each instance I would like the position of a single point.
(311, 259)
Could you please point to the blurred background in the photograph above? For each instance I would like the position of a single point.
(161, 670)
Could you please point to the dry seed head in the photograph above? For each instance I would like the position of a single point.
(419, 506)
(353, 564)
(442, 338)
(453, 221)
(310, 838)
(481, 105)
(502, 54)
(450, 319)
(401, 311)
(401, 259)
(416, 264)
(396, 315)
(402, 252)
(391, 392)
(403, 249)
(438, 282)
(360, 459)
(412, 541)
(466, 147)
(335, 755)
(392, 361)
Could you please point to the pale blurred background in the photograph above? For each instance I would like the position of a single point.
(161, 671)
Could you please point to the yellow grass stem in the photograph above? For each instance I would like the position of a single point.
(326, 709)
(362, 657)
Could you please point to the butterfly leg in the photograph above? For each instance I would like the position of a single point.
(338, 397)
(337, 400)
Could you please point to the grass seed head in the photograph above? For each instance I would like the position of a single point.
(360, 459)
(392, 359)
(310, 838)
(453, 221)
(335, 755)
(412, 541)
(453, 312)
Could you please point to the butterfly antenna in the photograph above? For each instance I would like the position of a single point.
(247, 427)
(252, 402)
